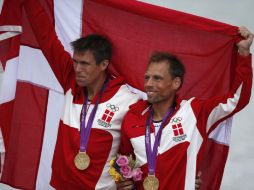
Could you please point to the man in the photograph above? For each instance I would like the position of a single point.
(95, 103)
(165, 133)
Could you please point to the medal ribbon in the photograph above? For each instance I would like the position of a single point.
(151, 154)
(85, 129)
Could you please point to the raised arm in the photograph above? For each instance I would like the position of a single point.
(217, 109)
(59, 60)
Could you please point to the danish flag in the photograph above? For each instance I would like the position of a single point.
(107, 116)
(178, 129)
(30, 145)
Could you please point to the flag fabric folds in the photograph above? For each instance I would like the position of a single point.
(31, 97)
(28, 87)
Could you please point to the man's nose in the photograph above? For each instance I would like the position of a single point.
(149, 82)
(78, 67)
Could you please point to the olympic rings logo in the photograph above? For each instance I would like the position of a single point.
(112, 107)
(176, 120)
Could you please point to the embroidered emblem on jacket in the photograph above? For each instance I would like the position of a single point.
(108, 115)
(177, 128)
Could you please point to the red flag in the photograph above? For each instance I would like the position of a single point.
(216, 154)
(23, 99)
(136, 30)
(206, 47)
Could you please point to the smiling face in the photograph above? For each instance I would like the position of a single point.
(159, 85)
(87, 71)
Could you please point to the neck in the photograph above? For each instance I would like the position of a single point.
(94, 88)
(161, 108)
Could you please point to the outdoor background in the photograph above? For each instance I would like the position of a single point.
(239, 172)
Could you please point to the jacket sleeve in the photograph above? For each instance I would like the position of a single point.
(43, 28)
(215, 110)
(125, 145)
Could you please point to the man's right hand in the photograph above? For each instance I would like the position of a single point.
(125, 184)
(198, 181)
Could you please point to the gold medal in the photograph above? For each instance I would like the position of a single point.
(82, 160)
(151, 183)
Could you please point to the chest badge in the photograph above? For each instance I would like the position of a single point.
(178, 131)
(108, 115)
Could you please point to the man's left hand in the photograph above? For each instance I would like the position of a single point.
(244, 45)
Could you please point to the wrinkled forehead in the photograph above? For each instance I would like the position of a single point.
(82, 52)
(87, 56)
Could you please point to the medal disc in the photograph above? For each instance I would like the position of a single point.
(151, 183)
(82, 160)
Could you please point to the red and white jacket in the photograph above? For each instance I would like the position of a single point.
(104, 139)
(184, 131)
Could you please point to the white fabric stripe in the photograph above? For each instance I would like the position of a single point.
(192, 152)
(11, 31)
(9, 81)
(2, 149)
(105, 181)
(37, 72)
(68, 27)
(1, 75)
(1, 5)
(54, 109)
(2, 152)
(137, 91)
(7, 35)
(222, 110)
(69, 119)
(68, 20)
(11, 28)
(139, 148)
(1, 67)
(222, 133)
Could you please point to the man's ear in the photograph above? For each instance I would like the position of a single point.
(104, 64)
(177, 83)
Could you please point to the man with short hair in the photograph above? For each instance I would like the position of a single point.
(95, 103)
(165, 133)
